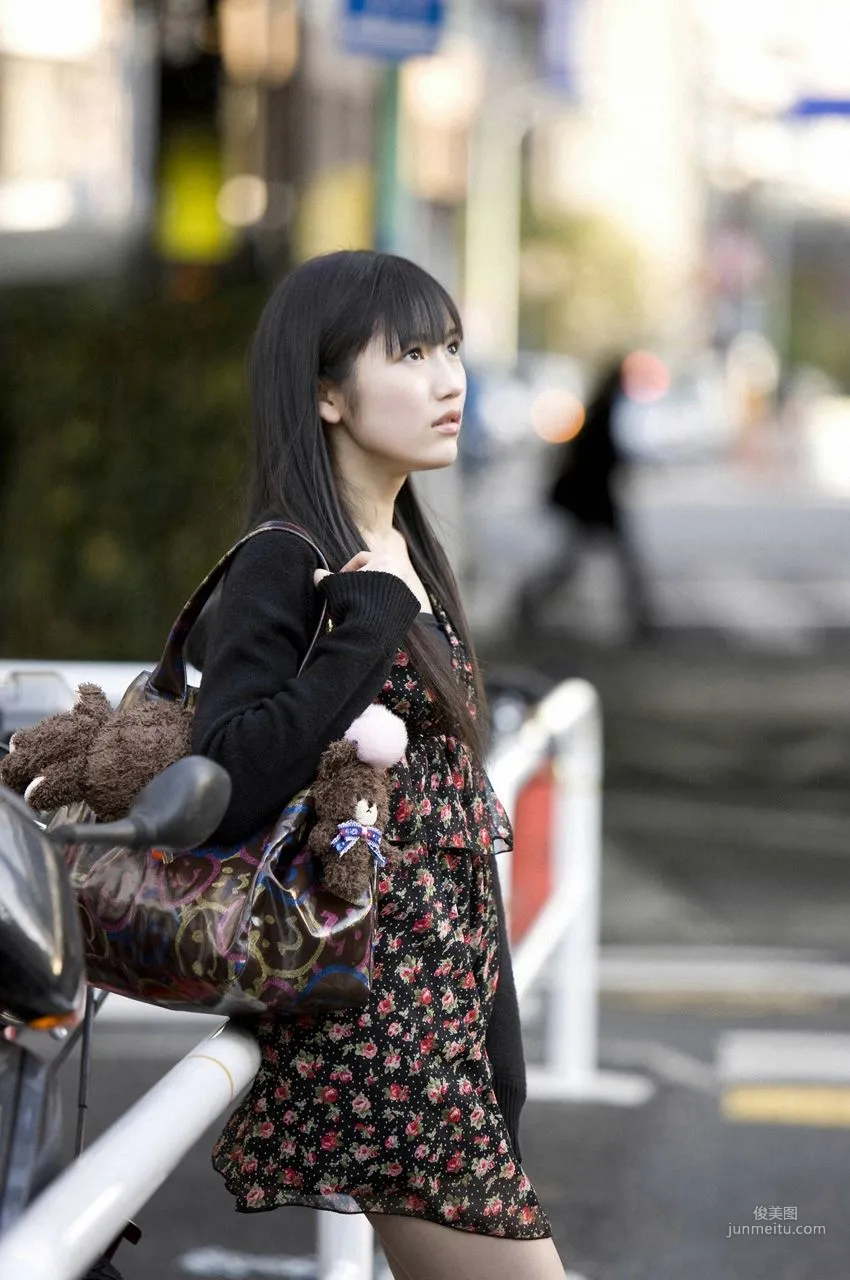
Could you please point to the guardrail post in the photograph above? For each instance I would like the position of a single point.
(345, 1246)
(562, 945)
(573, 978)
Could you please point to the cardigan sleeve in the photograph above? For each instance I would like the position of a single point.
(255, 715)
(504, 1032)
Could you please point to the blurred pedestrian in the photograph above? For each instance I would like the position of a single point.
(585, 495)
(406, 1110)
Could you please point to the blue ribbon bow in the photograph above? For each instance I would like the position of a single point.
(350, 832)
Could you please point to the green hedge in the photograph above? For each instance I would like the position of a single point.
(123, 443)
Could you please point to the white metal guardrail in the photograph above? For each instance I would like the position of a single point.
(78, 1215)
(562, 945)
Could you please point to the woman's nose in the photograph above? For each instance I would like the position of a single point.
(451, 379)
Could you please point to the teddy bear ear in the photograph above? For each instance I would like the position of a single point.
(380, 737)
(91, 699)
(336, 756)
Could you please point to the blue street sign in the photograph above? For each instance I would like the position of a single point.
(557, 48)
(812, 108)
(392, 29)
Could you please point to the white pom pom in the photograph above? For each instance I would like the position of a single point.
(380, 736)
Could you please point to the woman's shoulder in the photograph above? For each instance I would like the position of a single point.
(269, 585)
(276, 554)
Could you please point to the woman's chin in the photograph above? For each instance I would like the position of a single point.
(443, 454)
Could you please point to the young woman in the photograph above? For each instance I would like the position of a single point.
(406, 1110)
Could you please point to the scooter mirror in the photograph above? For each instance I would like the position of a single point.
(182, 806)
(179, 809)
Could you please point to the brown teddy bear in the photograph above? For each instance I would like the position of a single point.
(105, 757)
(351, 799)
(94, 754)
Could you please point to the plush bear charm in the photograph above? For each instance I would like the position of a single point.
(351, 797)
(95, 754)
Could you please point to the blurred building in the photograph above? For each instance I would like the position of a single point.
(215, 132)
(625, 149)
(77, 134)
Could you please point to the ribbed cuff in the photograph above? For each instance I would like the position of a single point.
(510, 1095)
(380, 601)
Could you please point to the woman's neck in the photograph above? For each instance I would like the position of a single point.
(373, 509)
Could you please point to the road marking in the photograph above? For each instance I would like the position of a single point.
(784, 1057)
(746, 606)
(680, 975)
(660, 1060)
(813, 1105)
(226, 1264)
(785, 1077)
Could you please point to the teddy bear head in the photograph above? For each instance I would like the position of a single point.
(47, 763)
(351, 800)
(347, 787)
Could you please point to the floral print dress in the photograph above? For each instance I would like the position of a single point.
(391, 1108)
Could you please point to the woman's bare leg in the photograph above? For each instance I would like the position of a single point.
(398, 1271)
(424, 1250)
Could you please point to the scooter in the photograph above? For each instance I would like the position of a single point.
(42, 964)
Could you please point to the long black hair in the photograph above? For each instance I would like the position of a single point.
(316, 323)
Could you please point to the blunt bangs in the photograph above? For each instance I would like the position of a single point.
(408, 307)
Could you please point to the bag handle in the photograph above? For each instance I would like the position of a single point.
(168, 678)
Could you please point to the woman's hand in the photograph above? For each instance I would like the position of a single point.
(377, 561)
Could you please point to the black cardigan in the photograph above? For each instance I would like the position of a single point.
(268, 726)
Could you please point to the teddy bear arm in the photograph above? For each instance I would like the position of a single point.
(56, 757)
(15, 771)
(322, 835)
(57, 787)
(351, 875)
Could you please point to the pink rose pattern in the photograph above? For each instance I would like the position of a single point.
(441, 796)
(391, 1109)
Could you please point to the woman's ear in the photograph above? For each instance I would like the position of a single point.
(330, 404)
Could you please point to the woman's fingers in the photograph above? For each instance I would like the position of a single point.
(357, 562)
(360, 561)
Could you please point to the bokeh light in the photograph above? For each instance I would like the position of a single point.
(646, 377)
(557, 415)
(243, 200)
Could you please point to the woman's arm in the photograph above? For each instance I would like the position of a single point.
(255, 715)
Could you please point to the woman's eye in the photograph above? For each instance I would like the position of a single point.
(454, 348)
(414, 351)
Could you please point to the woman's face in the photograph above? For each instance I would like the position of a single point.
(404, 410)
